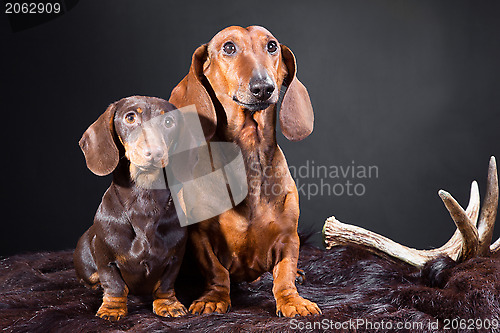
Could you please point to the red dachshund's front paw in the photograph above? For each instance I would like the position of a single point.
(211, 302)
(296, 306)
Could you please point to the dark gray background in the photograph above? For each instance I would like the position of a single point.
(412, 87)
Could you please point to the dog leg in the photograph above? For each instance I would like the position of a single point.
(165, 303)
(114, 301)
(216, 297)
(85, 266)
(288, 301)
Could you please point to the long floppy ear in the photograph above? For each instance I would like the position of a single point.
(98, 144)
(184, 155)
(296, 112)
(192, 91)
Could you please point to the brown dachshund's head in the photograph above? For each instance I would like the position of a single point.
(145, 129)
(245, 68)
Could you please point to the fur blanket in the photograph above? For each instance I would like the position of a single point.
(356, 290)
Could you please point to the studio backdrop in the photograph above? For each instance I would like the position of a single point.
(406, 96)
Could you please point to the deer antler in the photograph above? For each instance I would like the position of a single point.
(467, 242)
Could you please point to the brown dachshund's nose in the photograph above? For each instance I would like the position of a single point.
(261, 88)
(154, 153)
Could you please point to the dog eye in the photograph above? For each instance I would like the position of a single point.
(130, 117)
(229, 48)
(272, 47)
(169, 122)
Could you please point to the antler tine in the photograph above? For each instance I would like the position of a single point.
(468, 231)
(474, 203)
(495, 246)
(454, 246)
(489, 210)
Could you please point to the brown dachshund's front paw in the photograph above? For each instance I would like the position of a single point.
(294, 306)
(113, 308)
(168, 308)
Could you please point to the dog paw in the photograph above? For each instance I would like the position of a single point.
(113, 308)
(204, 306)
(168, 308)
(295, 306)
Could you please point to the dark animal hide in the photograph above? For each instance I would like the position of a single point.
(39, 293)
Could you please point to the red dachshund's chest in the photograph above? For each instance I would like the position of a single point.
(252, 239)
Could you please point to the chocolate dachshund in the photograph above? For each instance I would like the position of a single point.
(136, 243)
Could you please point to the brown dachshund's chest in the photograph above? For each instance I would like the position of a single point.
(149, 239)
(149, 252)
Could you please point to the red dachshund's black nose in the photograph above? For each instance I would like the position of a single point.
(261, 88)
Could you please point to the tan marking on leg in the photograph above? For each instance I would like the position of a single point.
(94, 278)
(113, 308)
